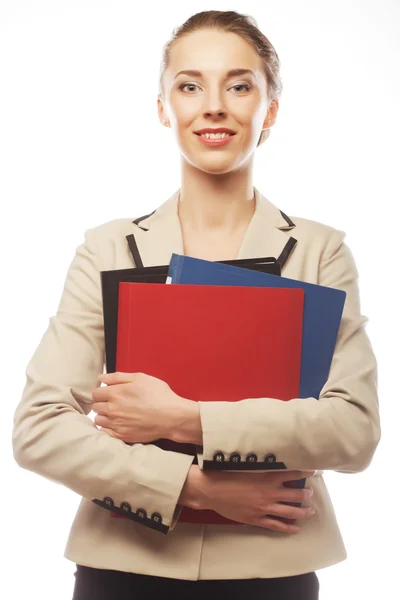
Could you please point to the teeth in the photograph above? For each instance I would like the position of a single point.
(215, 136)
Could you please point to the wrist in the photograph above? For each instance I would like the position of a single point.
(196, 489)
(186, 427)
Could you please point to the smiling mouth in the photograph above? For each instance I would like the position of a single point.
(200, 134)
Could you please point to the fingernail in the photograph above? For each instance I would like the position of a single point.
(311, 511)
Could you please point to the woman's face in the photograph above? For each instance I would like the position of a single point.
(214, 99)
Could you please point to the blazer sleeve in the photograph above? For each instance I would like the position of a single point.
(53, 434)
(339, 431)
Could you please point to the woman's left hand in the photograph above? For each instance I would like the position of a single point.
(136, 407)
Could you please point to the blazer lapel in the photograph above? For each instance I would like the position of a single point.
(156, 236)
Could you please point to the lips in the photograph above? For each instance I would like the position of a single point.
(210, 132)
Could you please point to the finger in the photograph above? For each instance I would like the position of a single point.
(105, 394)
(117, 377)
(110, 432)
(295, 495)
(290, 512)
(100, 408)
(103, 421)
(100, 394)
(276, 525)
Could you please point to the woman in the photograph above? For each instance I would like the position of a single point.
(217, 214)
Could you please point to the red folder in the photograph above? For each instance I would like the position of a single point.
(212, 343)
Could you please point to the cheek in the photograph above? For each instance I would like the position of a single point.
(246, 112)
(184, 112)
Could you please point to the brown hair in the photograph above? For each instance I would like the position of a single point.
(246, 27)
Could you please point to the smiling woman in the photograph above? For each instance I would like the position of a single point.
(219, 95)
(208, 27)
(219, 117)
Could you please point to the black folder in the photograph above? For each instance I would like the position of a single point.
(157, 274)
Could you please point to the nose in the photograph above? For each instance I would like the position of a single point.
(214, 105)
(214, 114)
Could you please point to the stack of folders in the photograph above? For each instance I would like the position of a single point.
(227, 332)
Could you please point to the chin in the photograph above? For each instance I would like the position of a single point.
(215, 169)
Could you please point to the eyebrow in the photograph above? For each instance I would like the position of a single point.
(231, 73)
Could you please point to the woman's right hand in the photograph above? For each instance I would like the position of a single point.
(250, 498)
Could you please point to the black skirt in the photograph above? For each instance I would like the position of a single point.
(104, 584)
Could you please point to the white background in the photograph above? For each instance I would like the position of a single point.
(80, 142)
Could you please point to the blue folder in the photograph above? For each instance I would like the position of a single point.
(323, 308)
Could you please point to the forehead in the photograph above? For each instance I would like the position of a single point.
(213, 52)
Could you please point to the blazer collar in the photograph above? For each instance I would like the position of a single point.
(156, 236)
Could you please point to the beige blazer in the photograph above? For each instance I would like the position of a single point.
(54, 436)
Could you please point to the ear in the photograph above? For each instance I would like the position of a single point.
(161, 112)
(271, 114)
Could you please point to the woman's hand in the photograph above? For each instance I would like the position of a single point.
(251, 498)
(136, 407)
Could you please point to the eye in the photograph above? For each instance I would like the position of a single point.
(246, 85)
(183, 85)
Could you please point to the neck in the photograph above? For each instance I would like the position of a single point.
(215, 204)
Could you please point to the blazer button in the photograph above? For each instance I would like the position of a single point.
(251, 458)
(141, 513)
(125, 506)
(156, 517)
(270, 458)
(235, 457)
(219, 457)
